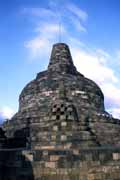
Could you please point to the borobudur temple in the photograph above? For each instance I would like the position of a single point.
(61, 130)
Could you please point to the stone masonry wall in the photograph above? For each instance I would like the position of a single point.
(87, 164)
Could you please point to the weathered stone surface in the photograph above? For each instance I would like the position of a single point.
(65, 126)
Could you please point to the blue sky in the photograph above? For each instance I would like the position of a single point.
(29, 28)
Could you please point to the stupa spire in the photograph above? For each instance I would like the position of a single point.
(61, 59)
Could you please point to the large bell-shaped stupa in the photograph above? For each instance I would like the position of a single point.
(63, 124)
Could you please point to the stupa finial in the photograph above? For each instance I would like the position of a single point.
(61, 59)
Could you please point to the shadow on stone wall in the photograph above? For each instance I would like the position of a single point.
(15, 165)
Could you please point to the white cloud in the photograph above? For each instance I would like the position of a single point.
(77, 23)
(93, 65)
(46, 36)
(6, 112)
(49, 30)
(118, 56)
(77, 11)
(112, 93)
(69, 7)
(115, 112)
(76, 42)
(76, 16)
(70, 13)
(51, 23)
(36, 47)
(103, 53)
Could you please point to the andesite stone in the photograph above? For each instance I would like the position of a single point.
(64, 125)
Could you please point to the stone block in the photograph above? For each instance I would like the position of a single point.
(50, 164)
(53, 137)
(53, 117)
(28, 156)
(76, 152)
(116, 156)
(63, 117)
(55, 128)
(54, 158)
(45, 153)
(63, 137)
(64, 123)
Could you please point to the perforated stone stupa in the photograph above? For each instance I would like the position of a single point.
(64, 124)
(63, 108)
